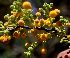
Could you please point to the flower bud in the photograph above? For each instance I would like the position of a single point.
(30, 48)
(6, 17)
(51, 4)
(12, 7)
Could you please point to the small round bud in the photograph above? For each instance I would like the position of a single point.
(68, 24)
(63, 30)
(36, 21)
(60, 41)
(38, 14)
(6, 17)
(61, 17)
(68, 37)
(43, 51)
(16, 6)
(14, 10)
(27, 45)
(14, 3)
(23, 35)
(30, 48)
(51, 4)
(26, 5)
(12, 16)
(16, 14)
(32, 30)
(16, 34)
(20, 22)
(58, 23)
(29, 31)
(18, 3)
(53, 14)
(57, 11)
(6, 23)
(35, 42)
(48, 5)
(54, 24)
(42, 20)
(40, 9)
(12, 6)
(68, 41)
(69, 47)
(44, 6)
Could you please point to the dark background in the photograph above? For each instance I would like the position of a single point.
(16, 46)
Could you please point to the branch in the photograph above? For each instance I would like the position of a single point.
(39, 28)
(27, 27)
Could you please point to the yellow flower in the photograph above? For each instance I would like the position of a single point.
(37, 36)
(8, 37)
(37, 24)
(38, 14)
(68, 37)
(58, 23)
(43, 51)
(42, 20)
(6, 41)
(57, 11)
(43, 37)
(2, 38)
(68, 24)
(47, 22)
(53, 13)
(23, 35)
(16, 34)
(32, 30)
(20, 22)
(16, 14)
(26, 5)
(36, 21)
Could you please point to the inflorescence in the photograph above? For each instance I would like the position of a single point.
(21, 18)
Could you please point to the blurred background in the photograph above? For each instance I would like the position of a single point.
(16, 47)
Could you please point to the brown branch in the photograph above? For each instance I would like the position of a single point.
(27, 27)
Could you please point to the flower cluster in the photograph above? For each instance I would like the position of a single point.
(21, 18)
(5, 39)
(16, 34)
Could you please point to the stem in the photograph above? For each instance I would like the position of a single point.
(1, 27)
(1, 31)
(43, 44)
(28, 57)
(50, 21)
(39, 28)
(10, 25)
(16, 19)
